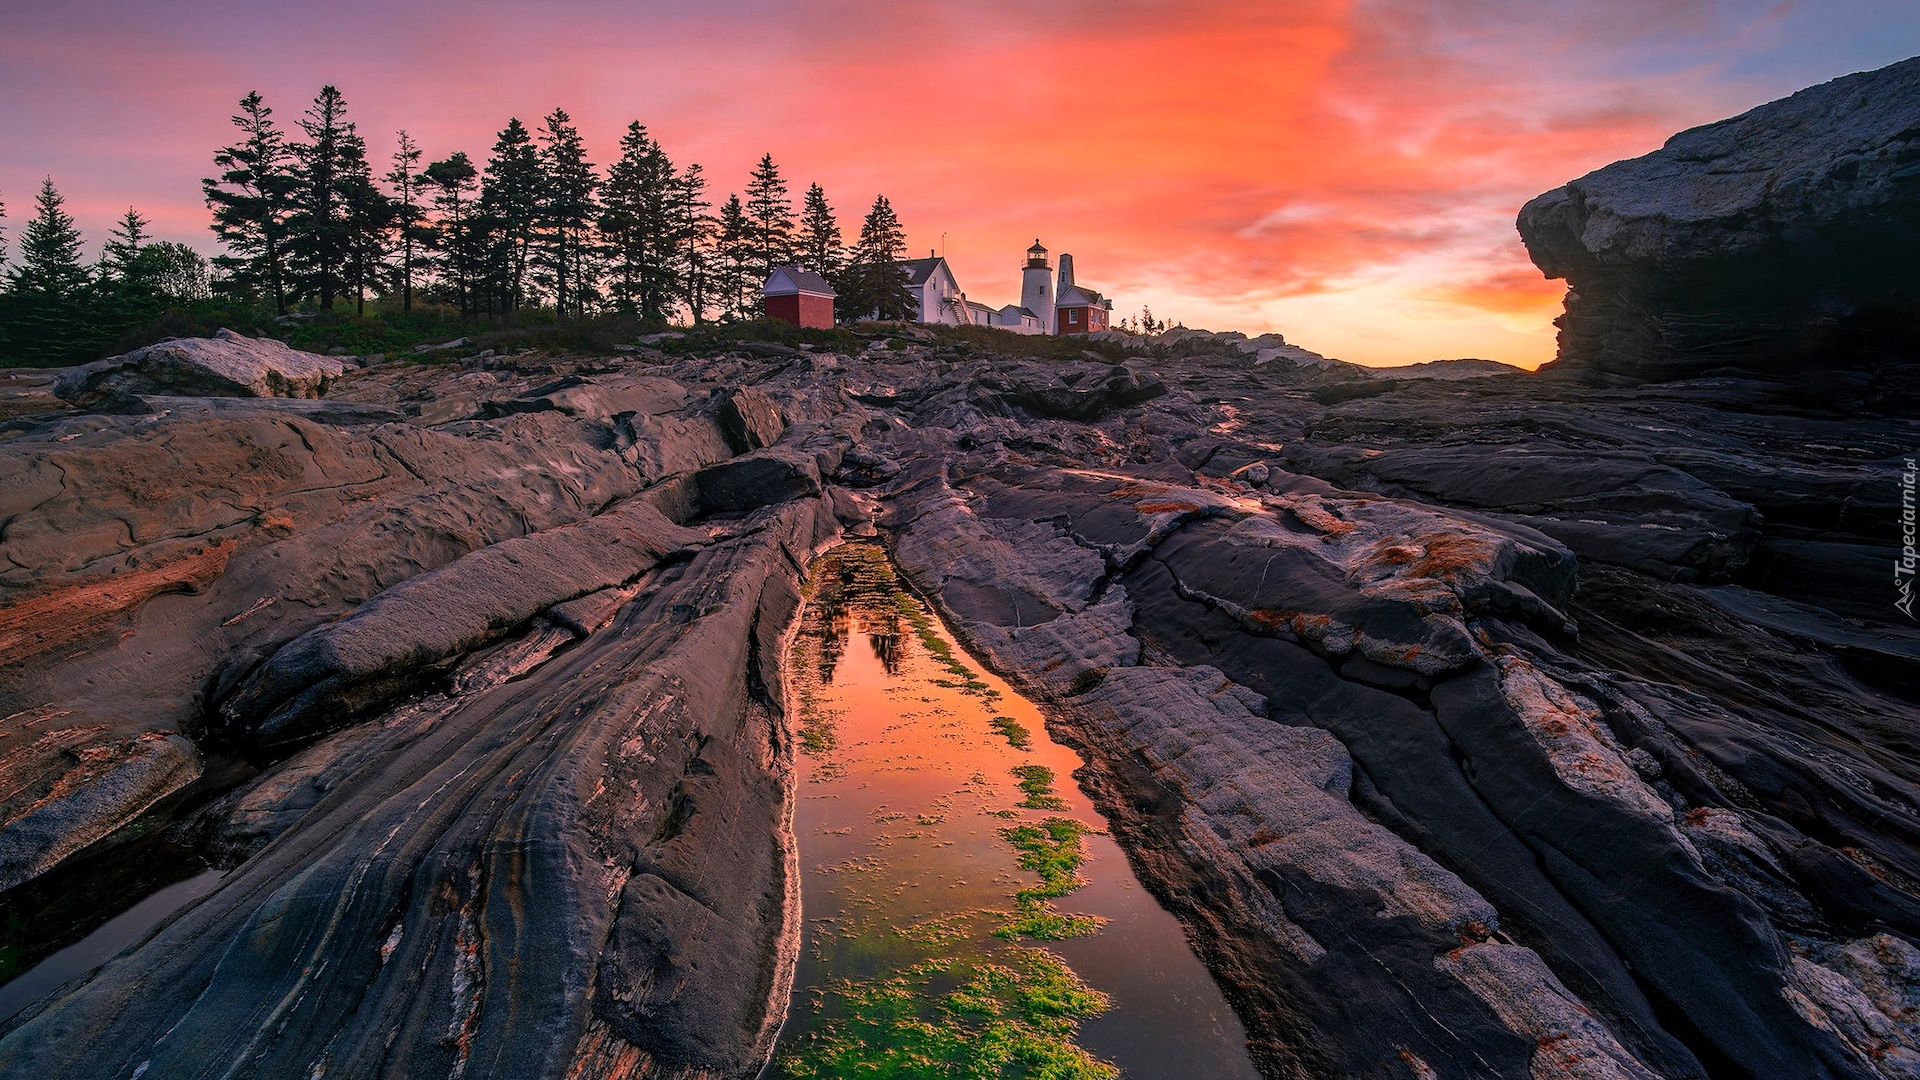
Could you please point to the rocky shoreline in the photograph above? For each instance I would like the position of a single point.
(1437, 782)
(1474, 723)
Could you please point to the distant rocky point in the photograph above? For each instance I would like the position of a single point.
(1777, 239)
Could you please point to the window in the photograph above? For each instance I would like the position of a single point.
(1073, 315)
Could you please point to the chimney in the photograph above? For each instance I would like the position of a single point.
(1066, 274)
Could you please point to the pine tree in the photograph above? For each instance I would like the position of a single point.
(641, 225)
(510, 211)
(875, 286)
(567, 211)
(821, 249)
(122, 249)
(769, 219)
(128, 276)
(693, 236)
(3, 236)
(734, 260)
(46, 314)
(369, 218)
(50, 250)
(250, 201)
(319, 233)
(462, 253)
(409, 217)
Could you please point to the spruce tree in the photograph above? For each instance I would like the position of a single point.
(319, 233)
(128, 277)
(250, 201)
(567, 211)
(693, 236)
(734, 260)
(3, 235)
(409, 216)
(876, 283)
(118, 257)
(640, 225)
(769, 219)
(47, 317)
(369, 218)
(509, 212)
(821, 249)
(50, 250)
(462, 255)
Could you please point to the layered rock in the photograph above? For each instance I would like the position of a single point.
(1776, 237)
(1497, 727)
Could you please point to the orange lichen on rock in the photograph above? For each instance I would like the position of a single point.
(53, 619)
(1320, 519)
(1166, 507)
(1446, 554)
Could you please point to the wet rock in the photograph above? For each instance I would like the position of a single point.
(105, 785)
(516, 869)
(225, 365)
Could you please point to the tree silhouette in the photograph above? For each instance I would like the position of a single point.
(250, 200)
(409, 217)
(769, 219)
(820, 248)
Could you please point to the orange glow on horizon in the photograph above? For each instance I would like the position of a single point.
(1345, 172)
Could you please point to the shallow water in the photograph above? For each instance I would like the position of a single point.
(965, 912)
(103, 943)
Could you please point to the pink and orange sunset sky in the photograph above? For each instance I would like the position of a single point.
(1343, 171)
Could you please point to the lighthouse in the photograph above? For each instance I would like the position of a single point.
(1036, 286)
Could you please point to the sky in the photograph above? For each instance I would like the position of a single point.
(1343, 172)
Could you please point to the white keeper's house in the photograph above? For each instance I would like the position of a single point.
(1071, 309)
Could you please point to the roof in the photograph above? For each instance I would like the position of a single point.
(1017, 309)
(786, 280)
(1036, 247)
(919, 270)
(1078, 296)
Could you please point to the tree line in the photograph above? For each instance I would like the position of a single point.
(307, 223)
(55, 308)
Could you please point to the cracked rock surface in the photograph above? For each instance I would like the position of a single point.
(1479, 725)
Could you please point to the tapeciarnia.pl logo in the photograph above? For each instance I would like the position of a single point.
(1903, 567)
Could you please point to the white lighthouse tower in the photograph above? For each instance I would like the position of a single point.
(1036, 286)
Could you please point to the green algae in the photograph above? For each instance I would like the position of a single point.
(1012, 1016)
(1054, 849)
(1037, 782)
(1015, 732)
(952, 995)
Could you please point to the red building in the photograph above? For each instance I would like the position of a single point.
(1077, 309)
(800, 297)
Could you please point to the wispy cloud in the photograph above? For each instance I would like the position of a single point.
(1344, 171)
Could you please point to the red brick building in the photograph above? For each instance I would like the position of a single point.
(1077, 309)
(800, 297)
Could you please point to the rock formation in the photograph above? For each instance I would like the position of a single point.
(1777, 237)
(1488, 727)
(1475, 724)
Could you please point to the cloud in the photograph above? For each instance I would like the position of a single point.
(1345, 171)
